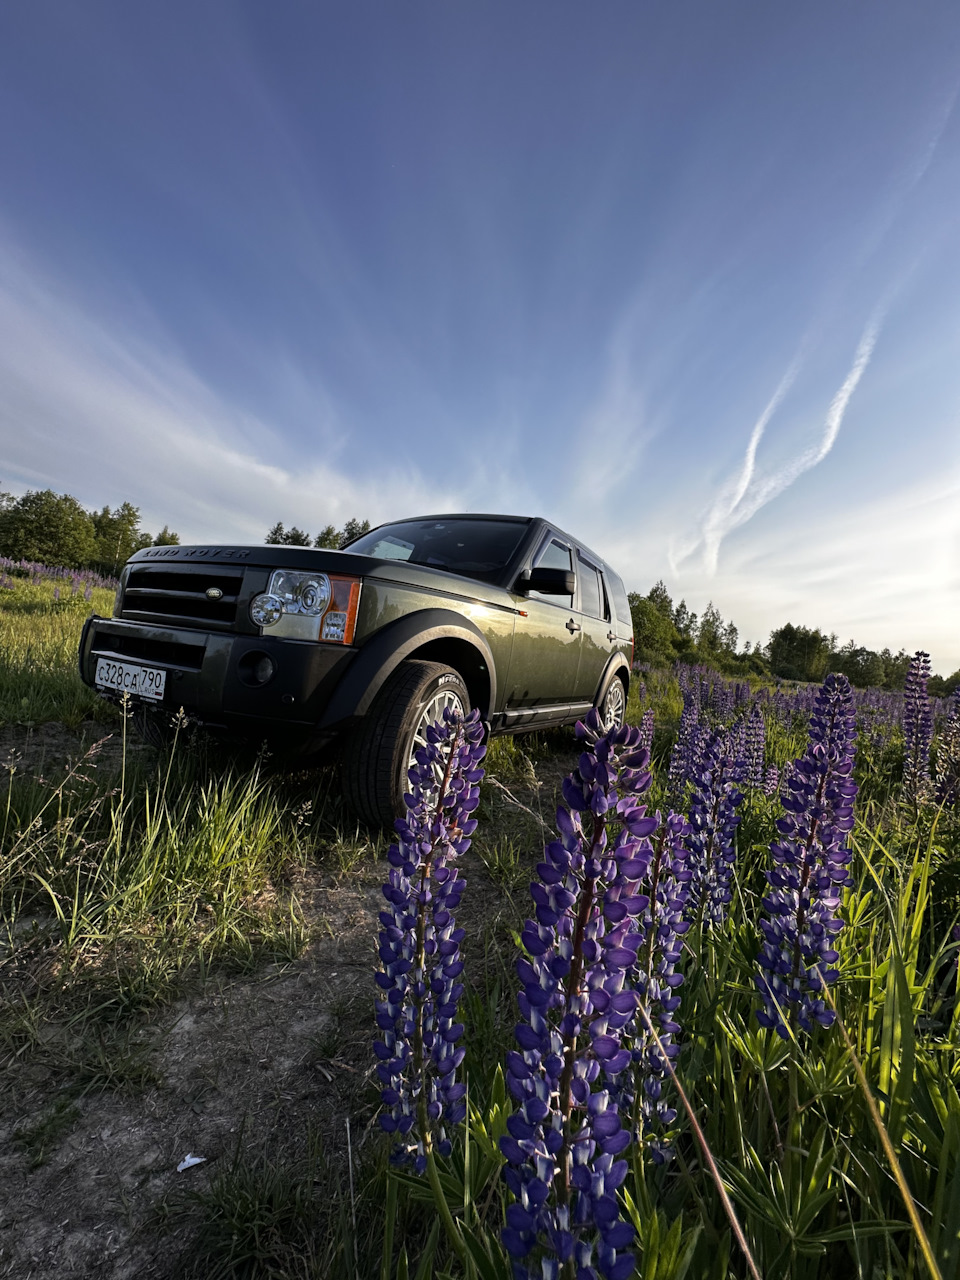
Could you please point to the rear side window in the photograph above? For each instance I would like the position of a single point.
(592, 601)
(620, 602)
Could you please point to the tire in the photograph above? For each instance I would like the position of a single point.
(613, 705)
(377, 756)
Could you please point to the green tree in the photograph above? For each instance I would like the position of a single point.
(685, 622)
(49, 527)
(710, 633)
(118, 536)
(167, 538)
(659, 597)
(895, 668)
(353, 529)
(654, 635)
(943, 686)
(861, 666)
(799, 653)
(292, 537)
(328, 537)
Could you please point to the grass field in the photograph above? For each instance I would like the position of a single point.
(186, 955)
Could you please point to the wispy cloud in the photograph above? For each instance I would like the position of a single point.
(102, 406)
(743, 495)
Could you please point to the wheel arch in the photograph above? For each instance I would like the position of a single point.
(616, 668)
(434, 635)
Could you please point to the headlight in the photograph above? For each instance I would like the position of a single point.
(266, 610)
(308, 606)
(307, 593)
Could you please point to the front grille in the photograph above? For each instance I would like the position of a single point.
(187, 656)
(161, 593)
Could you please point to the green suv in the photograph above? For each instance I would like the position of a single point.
(364, 647)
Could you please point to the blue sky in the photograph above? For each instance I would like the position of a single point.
(684, 278)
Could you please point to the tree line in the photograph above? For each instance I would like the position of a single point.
(665, 633)
(55, 529)
(329, 536)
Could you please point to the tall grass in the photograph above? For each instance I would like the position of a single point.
(111, 895)
(39, 635)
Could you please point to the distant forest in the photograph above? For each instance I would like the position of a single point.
(665, 633)
(55, 529)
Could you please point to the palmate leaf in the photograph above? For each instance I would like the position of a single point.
(790, 1215)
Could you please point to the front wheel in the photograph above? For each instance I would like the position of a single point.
(379, 754)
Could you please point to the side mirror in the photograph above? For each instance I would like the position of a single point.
(549, 582)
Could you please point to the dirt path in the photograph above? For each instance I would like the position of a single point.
(240, 1066)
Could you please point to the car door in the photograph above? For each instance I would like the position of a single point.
(598, 638)
(545, 662)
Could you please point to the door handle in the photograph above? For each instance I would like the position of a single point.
(573, 626)
(611, 636)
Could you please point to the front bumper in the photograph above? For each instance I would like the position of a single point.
(205, 677)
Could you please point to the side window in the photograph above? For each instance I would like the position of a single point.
(592, 601)
(554, 555)
(607, 613)
(621, 604)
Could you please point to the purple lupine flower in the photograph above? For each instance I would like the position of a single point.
(656, 980)
(713, 824)
(771, 781)
(56, 593)
(755, 746)
(685, 756)
(564, 1145)
(948, 757)
(917, 728)
(722, 700)
(419, 942)
(810, 870)
(646, 730)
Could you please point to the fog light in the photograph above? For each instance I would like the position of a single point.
(263, 670)
(256, 668)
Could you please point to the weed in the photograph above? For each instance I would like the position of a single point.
(39, 1135)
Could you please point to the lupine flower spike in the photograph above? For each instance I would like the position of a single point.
(917, 729)
(565, 1144)
(948, 758)
(420, 943)
(713, 823)
(755, 746)
(656, 981)
(810, 870)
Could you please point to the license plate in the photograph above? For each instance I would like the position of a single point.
(130, 677)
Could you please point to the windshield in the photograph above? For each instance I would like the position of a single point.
(475, 548)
